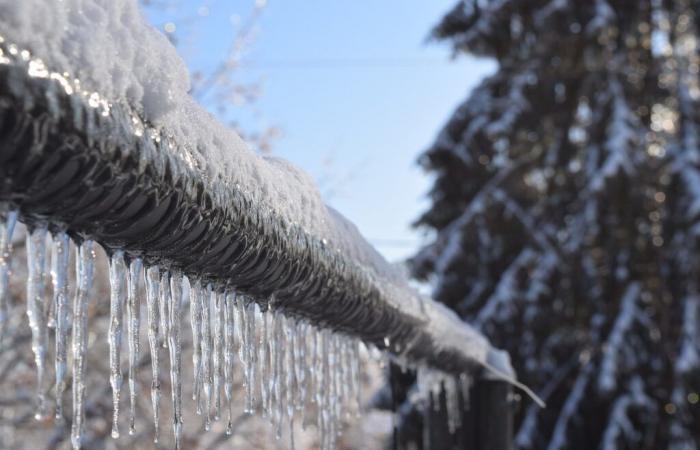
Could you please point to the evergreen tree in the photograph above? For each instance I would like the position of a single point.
(565, 213)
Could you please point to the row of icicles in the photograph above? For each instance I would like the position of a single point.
(287, 364)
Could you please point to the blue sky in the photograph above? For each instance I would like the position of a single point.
(354, 87)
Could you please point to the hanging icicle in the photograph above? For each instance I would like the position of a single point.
(152, 300)
(85, 262)
(174, 350)
(60, 255)
(163, 304)
(229, 357)
(251, 354)
(117, 279)
(196, 325)
(133, 309)
(264, 362)
(218, 358)
(7, 227)
(290, 373)
(36, 292)
(206, 355)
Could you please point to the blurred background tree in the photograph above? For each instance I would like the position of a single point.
(564, 213)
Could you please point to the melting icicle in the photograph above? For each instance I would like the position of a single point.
(36, 259)
(264, 362)
(59, 277)
(299, 350)
(452, 403)
(206, 354)
(229, 357)
(278, 373)
(152, 296)
(7, 227)
(174, 349)
(355, 376)
(84, 270)
(252, 353)
(218, 319)
(117, 276)
(196, 323)
(134, 325)
(311, 366)
(290, 372)
(164, 301)
(322, 387)
(242, 335)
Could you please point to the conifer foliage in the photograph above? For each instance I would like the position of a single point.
(566, 213)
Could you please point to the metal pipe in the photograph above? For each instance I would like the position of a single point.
(83, 169)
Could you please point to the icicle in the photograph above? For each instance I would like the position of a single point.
(164, 301)
(7, 227)
(251, 354)
(84, 270)
(206, 354)
(173, 338)
(264, 361)
(36, 259)
(59, 277)
(196, 323)
(280, 398)
(451, 403)
(311, 367)
(355, 374)
(229, 357)
(273, 349)
(117, 275)
(174, 349)
(299, 349)
(290, 372)
(134, 325)
(218, 322)
(242, 331)
(321, 388)
(152, 299)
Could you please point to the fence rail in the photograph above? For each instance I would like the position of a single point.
(84, 170)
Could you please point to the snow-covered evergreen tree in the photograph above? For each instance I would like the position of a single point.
(566, 213)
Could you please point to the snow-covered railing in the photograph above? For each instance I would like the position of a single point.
(246, 240)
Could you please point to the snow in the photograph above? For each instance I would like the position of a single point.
(619, 422)
(616, 343)
(100, 41)
(114, 52)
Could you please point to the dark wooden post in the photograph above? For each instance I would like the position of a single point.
(491, 411)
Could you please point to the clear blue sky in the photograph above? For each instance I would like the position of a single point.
(356, 90)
